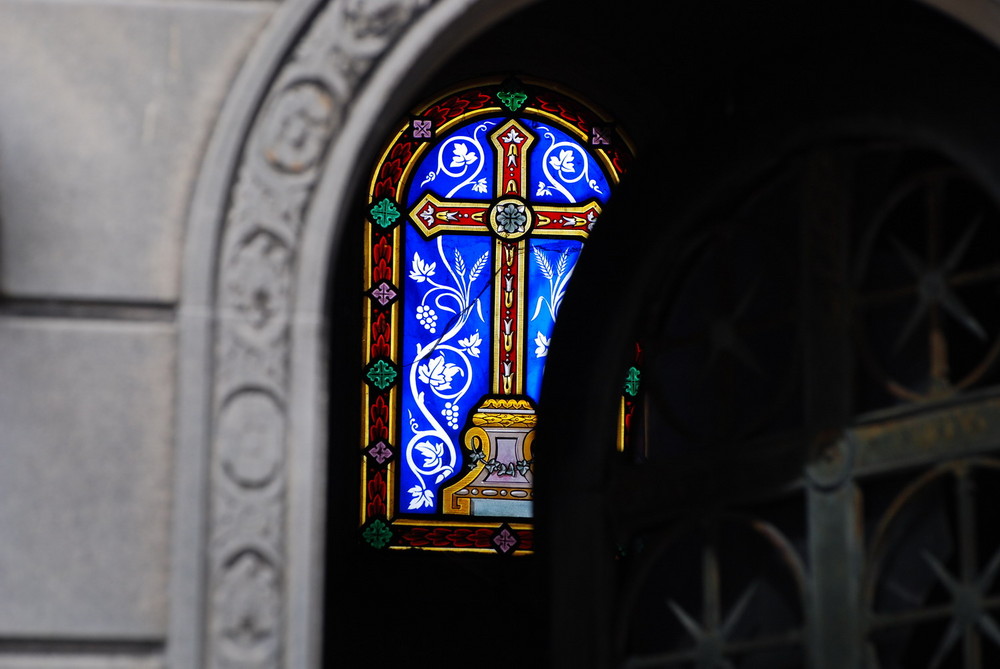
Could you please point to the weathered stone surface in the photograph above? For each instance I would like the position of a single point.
(85, 476)
(105, 112)
(65, 661)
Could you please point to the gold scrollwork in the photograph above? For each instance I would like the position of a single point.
(504, 420)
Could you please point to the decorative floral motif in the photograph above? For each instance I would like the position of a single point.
(421, 271)
(564, 162)
(427, 317)
(432, 452)
(512, 137)
(380, 452)
(298, 125)
(471, 344)
(420, 497)
(259, 285)
(384, 293)
(497, 468)
(384, 212)
(382, 374)
(559, 164)
(543, 189)
(421, 128)
(438, 374)
(460, 156)
(632, 382)
(512, 100)
(377, 534)
(450, 413)
(441, 368)
(505, 540)
(512, 218)
(600, 136)
(276, 159)
(463, 158)
(541, 345)
(250, 436)
(247, 599)
(449, 372)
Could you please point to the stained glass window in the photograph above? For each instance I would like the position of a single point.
(477, 214)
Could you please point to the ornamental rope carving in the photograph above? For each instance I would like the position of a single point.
(282, 159)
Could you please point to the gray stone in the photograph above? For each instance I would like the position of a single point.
(104, 113)
(65, 661)
(85, 470)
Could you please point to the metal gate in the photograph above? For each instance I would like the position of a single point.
(815, 470)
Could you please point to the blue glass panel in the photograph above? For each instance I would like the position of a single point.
(561, 171)
(445, 355)
(550, 266)
(447, 323)
(459, 166)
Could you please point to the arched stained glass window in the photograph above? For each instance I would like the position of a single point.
(478, 210)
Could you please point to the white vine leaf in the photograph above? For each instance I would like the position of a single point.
(471, 344)
(481, 187)
(461, 156)
(438, 374)
(541, 345)
(419, 270)
(432, 452)
(421, 497)
(543, 189)
(564, 162)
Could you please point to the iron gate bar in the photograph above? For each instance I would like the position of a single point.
(789, 639)
(954, 430)
(879, 622)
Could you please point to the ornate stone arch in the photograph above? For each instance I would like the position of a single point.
(320, 87)
(323, 80)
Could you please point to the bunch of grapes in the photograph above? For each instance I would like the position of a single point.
(427, 317)
(450, 412)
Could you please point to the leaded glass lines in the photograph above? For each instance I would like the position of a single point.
(477, 214)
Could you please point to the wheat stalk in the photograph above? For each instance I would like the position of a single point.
(543, 263)
(563, 260)
(478, 266)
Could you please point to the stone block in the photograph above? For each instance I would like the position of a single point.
(67, 661)
(85, 478)
(105, 111)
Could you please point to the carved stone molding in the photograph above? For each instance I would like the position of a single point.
(282, 159)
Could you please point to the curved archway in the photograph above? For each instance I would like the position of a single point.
(313, 99)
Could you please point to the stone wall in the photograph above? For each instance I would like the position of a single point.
(124, 128)
(106, 109)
